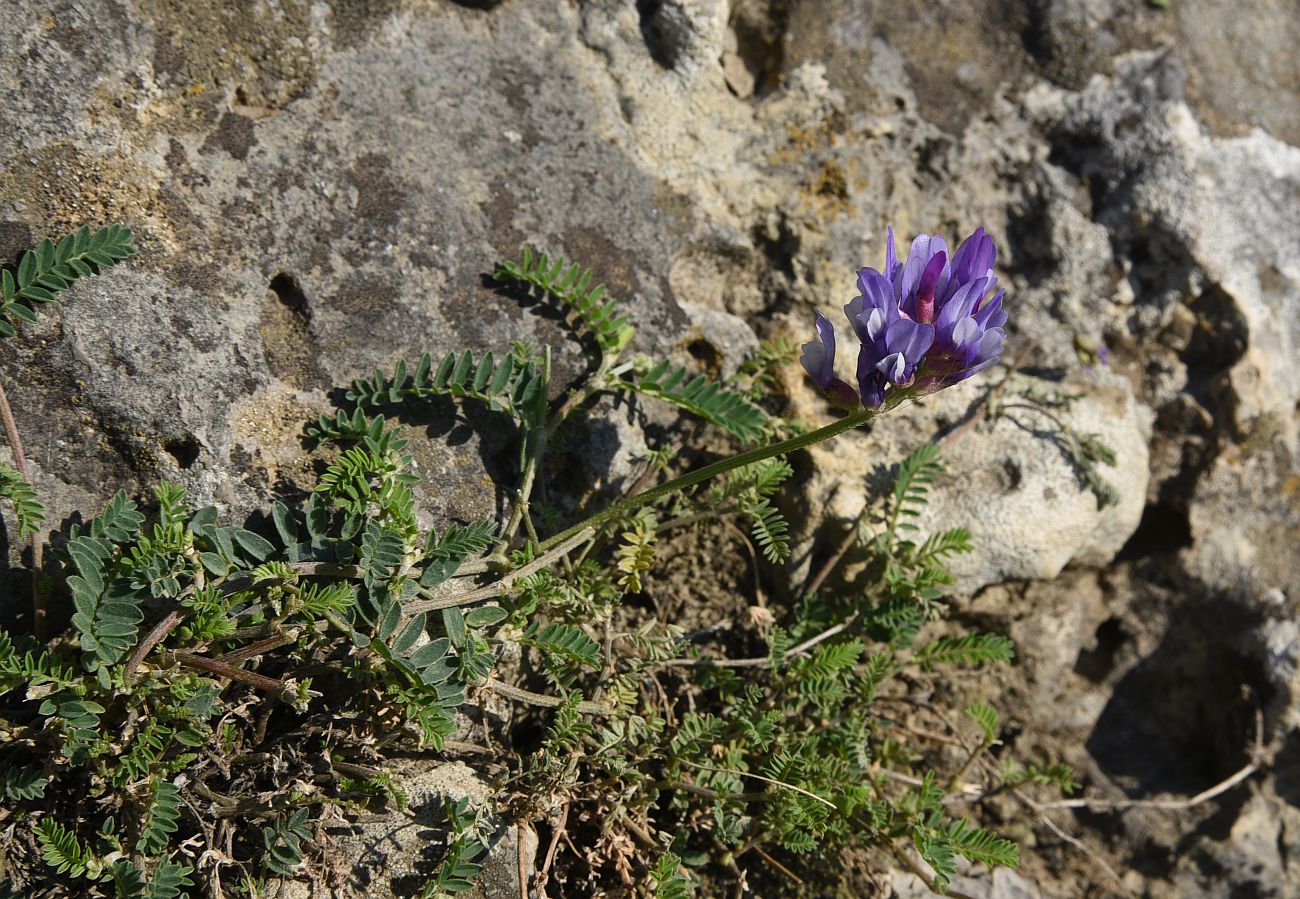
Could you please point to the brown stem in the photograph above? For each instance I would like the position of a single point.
(258, 648)
(830, 564)
(154, 637)
(40, 624)
(326, 569)
(234, 585)
(713, 794)
(11, 433)
(557, 831)
(540, 699)
(915, 867)
(38, 538)
(776, 864)
(257, 681)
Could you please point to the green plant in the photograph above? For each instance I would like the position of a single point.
(54, 267)
(218, 688)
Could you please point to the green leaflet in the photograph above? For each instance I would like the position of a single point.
(29, 512)
(571, 285)
(52, 268)
(703, 397)
(518, 389)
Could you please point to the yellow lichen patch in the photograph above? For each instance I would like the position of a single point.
(106, 190)
(269, 427)
(803, 139)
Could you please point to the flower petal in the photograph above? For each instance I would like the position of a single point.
(871, 383)
(923, 303)
(818, 357)
(912, 339)
(955, 310)
(893, 367)
(991, 314)
(813, 360)
(966, 340)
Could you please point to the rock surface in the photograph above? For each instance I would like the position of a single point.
(319, 189)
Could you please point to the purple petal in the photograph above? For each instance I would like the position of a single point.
(966, 340)
(871, 383)
(973, 370)
(893, 367)
(923, 304)
(990, 315)
(813, 360)
(891, 258)
(975, 257)
(876, 289)
(826, 331)
(917, 259)
(818, 357)
(876, 305)
(874, 324)
(910, 338)
(990, 347)
(957, 309)
(853, 308)
(873, 390)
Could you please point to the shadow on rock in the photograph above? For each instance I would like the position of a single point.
(1183, 718)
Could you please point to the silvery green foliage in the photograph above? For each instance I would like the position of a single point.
(220, 685)
(53, 267)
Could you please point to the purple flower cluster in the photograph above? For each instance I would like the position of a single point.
(924, 322)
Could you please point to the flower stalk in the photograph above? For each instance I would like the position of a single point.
(712, 470)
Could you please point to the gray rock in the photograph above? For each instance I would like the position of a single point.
(319, 189)
(1219, 283)
(1000, 883)
(395, 854)
(286, 250)
(1009, 483)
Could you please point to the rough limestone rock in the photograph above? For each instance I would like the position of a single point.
(395, 854)
(1009, 482)
(321, 188)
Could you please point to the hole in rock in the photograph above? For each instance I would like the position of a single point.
(1162, 530)
(1286, 769)
(705, 353)
(1096, 663)
(289, 292)
(760, 28)
(1182, 719)
(185, 450)
(657, 42)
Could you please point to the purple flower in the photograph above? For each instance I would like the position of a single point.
(819, 360)
(924, 322)
(893, 345)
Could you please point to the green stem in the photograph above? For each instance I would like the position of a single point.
(539, 441)
(691, 478)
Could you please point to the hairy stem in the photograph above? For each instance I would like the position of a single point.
(11, 433)
(38, 538)
(954, 782)
(540, 699)
(507, 581)
(257, 681)
(704, 473)
(540, 441)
